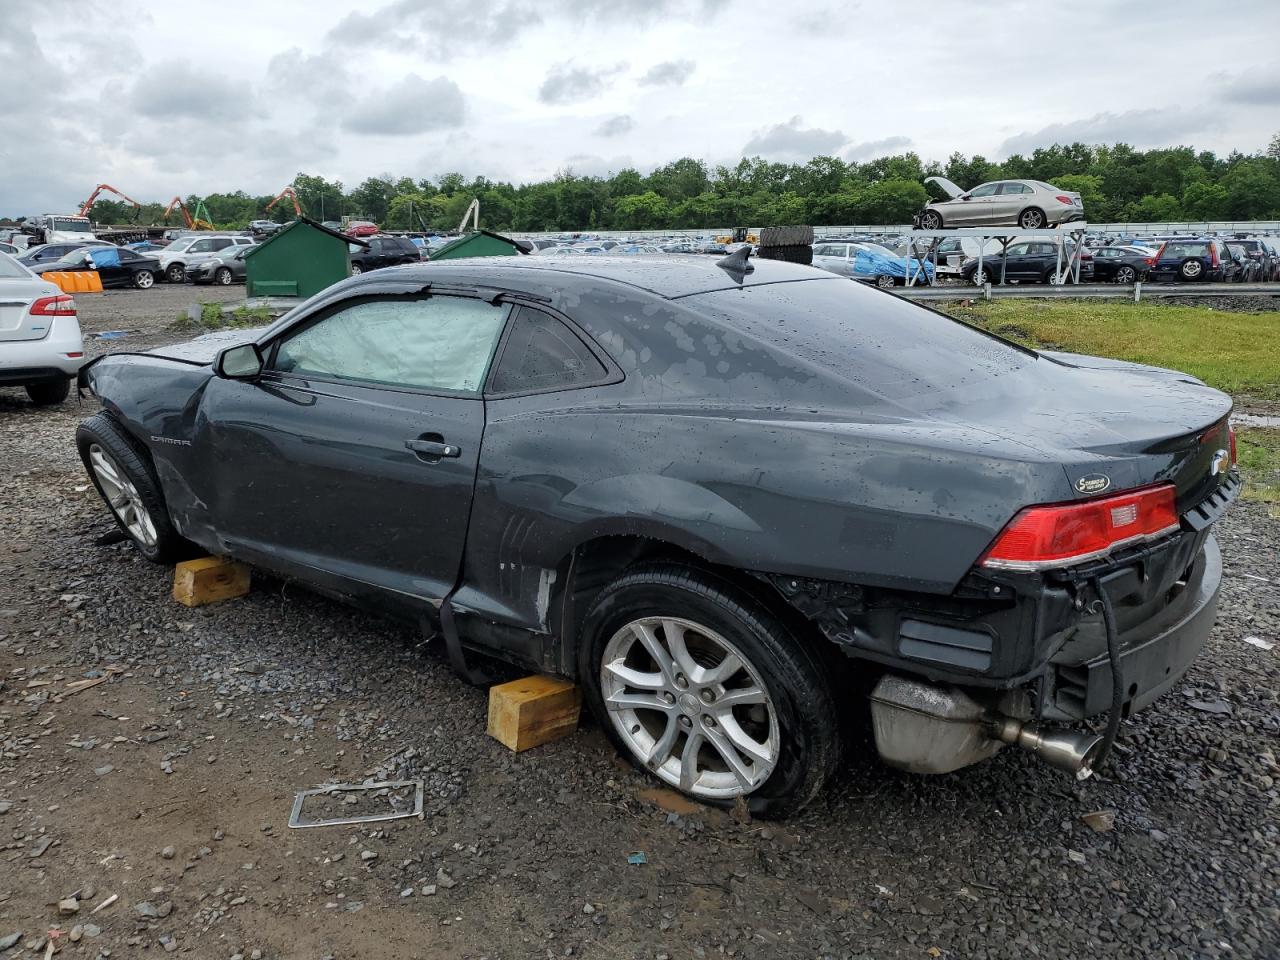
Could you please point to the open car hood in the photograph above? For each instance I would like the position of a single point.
(947, 186)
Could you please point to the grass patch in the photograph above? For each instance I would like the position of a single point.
(1231, 351)
(213, 317)
(1259, 451)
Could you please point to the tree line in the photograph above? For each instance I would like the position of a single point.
(1118, 183)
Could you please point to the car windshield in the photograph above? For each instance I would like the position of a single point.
(74, 256)
(10, 269)
(70, 226)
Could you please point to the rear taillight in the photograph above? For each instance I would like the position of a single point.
(1213, 256)
(1059, 535)
(1150, 261)
(1231, 435)
(1062, 198)
(60, 306)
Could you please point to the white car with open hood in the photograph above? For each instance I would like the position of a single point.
(1029, 204)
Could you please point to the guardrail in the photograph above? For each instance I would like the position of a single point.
(1110, 291)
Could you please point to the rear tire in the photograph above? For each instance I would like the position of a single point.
(786, 236)
(356, 269)
(785, 708)
(1031, 219)
(48, 393)
(1126, 275)
(798, 254)
(885, 282)
(129, 487)
(144, 279)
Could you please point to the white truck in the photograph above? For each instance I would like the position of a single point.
(59, 228)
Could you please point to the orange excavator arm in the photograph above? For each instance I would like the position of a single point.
(88, 204)
(292, 195)
(182, 208)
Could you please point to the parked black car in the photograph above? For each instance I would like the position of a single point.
(1260, 266)
(722, 500)
(224, 269)
(1121, 264)
(1192, 260)
(1026, 261)
(116, 266)
(383, 252)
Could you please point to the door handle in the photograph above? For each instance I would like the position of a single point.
(433, 450)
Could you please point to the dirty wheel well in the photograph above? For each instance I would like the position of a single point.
(597, 563)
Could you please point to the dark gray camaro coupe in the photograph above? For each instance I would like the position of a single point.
(728, 498)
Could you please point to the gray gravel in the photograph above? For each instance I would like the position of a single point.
(222, 713)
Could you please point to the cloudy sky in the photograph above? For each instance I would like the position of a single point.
(203, 97)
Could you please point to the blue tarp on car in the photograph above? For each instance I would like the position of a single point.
(105, 256)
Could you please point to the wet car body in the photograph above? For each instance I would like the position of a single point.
(848, 457)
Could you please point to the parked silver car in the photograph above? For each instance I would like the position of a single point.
(1029, 204)
(190, 250)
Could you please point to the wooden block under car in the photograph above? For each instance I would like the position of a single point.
(536, 710)
(208, 580)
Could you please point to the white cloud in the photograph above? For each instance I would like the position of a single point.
(793, 141)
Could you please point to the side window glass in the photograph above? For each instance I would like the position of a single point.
(221, 244)
(542, 353)
(439, 343)
(200, 246)
(986, 190)
(1019, 249)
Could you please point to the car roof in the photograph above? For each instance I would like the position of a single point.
(666, 276)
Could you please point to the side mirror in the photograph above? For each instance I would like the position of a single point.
(965, 196)
(241, 362)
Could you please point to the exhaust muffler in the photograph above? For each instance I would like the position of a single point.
(931, 729)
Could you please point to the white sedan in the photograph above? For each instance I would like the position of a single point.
(40, 344)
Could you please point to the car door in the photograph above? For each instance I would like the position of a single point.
(978, 209)
(1019, 261)
(110, 264)
(351, 460)
(1007, 203)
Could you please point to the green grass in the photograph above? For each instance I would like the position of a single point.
(213, 317)
(1235, 352)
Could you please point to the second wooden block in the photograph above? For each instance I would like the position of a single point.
(532, 711)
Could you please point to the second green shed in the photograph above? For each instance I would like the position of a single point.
(299, 260)
(477, 243)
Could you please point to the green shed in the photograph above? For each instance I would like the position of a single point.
(478, 243)
(299, 260)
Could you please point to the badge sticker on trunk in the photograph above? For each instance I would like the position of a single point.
(1221, 461)
(1093, 483)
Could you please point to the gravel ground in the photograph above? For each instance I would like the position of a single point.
(170, 785)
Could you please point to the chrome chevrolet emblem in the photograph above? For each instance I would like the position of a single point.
(1221, 461)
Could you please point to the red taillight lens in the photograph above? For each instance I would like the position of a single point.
(1231, 434)
(60, 306)
(1062, 198)
(1151, 261)
(1213, 256)
(1059, 535)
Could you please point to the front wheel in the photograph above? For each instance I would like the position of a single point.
(705, 689)
(222, 276)
(144, 279)
(127, 483)
(930, 220)
(884, 281)
(176, 273)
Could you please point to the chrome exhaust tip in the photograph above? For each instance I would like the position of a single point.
(1065, 749)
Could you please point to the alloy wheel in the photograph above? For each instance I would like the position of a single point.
(690, 707)
(1126, 275)
(884, 281)
(1032, 220)
(122, 496)
(223, 276)
(144, 279)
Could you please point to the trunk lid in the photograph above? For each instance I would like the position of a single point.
(16, 297)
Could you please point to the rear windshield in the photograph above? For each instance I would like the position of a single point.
(1184, 249)
(10, 269)
(892, 346)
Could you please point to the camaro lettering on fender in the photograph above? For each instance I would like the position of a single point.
(170, 440)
